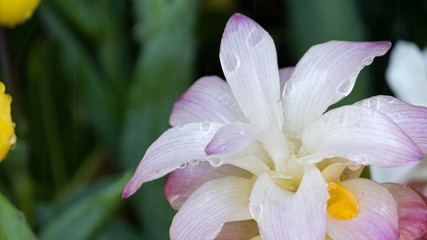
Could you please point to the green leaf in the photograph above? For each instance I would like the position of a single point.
(12, 222)
(84, 218)
(94, 93)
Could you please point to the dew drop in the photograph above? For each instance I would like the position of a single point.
(182, 165)
(230, 62)
(255, 37)
(288, 88)
(368, 61)
(205, 127)
(216, 162)
(194, 162)
(344, 88)
(232, 27)
(341, 119)
(362, 159)
(256, 211)
(180, 127)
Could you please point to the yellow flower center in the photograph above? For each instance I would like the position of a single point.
(342, 204)
(13, 12)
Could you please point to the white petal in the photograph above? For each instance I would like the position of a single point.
(360, 134)
(407, 73)
(232, 137)
(411, 119)
(249, 61)
(284, 215)
(276, 144)
(208, 99)
(181, 183)
(376, 217)
(324, 75)
(203, 215)
(173, 148)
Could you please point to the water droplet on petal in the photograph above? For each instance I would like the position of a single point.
(322, 205)
(182, 165)
(255, 37)
(368, 61)
(205, 127)
(289, 88)
(341, 119)
(194, 162)
(216, 161)
(256, 211)
(362, 159)
(232, 27)
(344, 88)
(180, 127)
(230, 62)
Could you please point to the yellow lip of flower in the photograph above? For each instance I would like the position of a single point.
(13, 12)
(342, 204)
(7, 132)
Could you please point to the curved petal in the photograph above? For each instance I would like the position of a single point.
(412, 211)
(171, 150)
(203, 215)
(324, 75)
(407, 73)
(411, 119)
(208, 99)
(238, 230)
(249, 61)
(376, 217)
(181, 183)
(232, 137)
(360, 134)
(285, 75)
(284, 215)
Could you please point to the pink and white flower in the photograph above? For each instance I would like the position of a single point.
(256, 156)
(407, 76)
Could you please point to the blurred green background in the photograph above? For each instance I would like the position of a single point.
(93, 83)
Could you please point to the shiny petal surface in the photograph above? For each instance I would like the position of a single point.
(249, 61)
(407, 73)
(324, 75)
(412, 211)
(238, 230)
(208, 99)
(232, 137)
(181, 183)
(360, 134)
(285, 75)
(173, 148)
(377, 216)
(284, 215)
(203, 215)
(411, 119)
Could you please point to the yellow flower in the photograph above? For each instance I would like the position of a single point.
(13, 12)
(7, 132)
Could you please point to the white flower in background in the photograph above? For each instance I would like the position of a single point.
(407, 77)
(256, 156)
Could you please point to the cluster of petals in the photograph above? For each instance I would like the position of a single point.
(251, 158)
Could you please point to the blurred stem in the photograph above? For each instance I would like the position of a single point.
(5, 56)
